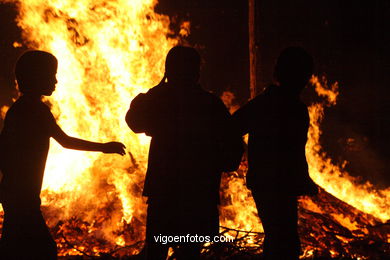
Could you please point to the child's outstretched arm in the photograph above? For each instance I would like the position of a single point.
(78, 144)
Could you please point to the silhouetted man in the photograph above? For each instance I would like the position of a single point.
(190, 130)
(277, 123)
(24, 145)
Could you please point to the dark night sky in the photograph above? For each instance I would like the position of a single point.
(348, 39)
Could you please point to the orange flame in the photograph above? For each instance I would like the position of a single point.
(334, 179)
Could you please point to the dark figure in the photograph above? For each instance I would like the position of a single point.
(24, 145)
(191, 145)
(277, 122)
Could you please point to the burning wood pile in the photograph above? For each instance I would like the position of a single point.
(108, 52)
(326, 233)
(329, 229)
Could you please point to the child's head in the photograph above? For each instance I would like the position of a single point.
(294, 68)
(36, 73)
(182, 64)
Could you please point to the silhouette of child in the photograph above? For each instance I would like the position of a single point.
(24, 145)
(277, 122)
(192, 144)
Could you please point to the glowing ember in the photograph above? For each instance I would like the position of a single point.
(108, 52)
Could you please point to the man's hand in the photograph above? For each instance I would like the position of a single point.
(114, 147)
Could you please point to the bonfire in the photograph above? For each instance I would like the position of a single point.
(111, 50)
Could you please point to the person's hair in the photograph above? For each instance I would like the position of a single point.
(31, 67)
(294, 65)
(182, 62)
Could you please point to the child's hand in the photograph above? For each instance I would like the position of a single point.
(114, 147)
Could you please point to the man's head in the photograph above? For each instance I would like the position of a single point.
(35, 73)
(182, 65)
(294, 68)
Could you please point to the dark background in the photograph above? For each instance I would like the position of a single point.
(348, 39)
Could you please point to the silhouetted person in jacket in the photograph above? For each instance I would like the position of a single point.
(277, 122)
(24, 145)
(190, 147)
